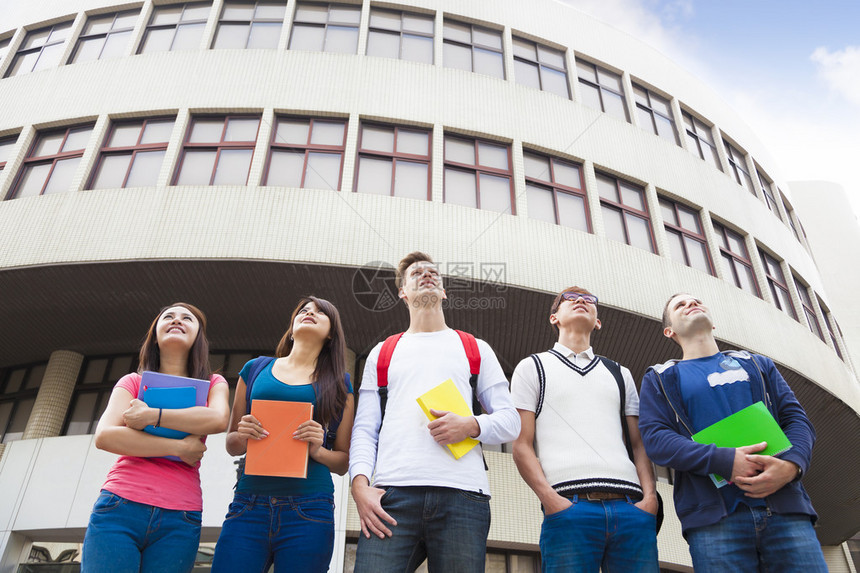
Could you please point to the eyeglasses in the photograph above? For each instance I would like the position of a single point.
(589, 298)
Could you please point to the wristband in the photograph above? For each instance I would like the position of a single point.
(158, 423)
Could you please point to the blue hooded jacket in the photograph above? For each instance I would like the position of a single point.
(667, 429)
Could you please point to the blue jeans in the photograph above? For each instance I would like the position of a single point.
(613, 535)
(447, 526)
(294, 532)
(754, 539)
(128, 537)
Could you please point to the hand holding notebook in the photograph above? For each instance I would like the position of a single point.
(279, 454)
(447, 397)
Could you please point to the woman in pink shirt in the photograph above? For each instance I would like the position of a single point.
(147, 518)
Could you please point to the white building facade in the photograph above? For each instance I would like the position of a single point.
(238, 155)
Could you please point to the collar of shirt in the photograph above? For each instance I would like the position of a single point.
(582, 359)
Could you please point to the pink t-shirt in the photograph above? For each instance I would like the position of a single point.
(160, 482)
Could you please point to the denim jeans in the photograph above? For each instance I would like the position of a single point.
(754, 539)
(447, 526)
(294, 532)
(614, 535)
(128, 537)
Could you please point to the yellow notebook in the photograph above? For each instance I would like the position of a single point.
(446, 397)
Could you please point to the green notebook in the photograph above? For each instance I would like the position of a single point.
(749, 426)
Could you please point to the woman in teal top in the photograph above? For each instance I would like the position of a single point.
(290, 521)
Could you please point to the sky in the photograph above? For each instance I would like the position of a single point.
(789, 68)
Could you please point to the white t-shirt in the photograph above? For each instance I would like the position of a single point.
(578, 436)
(404, 453)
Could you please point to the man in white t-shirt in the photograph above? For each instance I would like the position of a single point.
(424, 503)
(599, 505)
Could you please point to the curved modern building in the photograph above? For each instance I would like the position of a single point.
(240, 154)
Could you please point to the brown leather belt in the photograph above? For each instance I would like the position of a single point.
(602, 496)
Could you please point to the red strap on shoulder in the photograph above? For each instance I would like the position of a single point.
(384, 360)
(472, 352)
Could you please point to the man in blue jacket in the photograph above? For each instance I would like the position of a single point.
(762, 519)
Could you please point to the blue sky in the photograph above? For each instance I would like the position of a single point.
(790, 68)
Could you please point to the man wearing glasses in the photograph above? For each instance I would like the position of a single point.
(599, 506)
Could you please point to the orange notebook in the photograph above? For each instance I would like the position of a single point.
(279, 454)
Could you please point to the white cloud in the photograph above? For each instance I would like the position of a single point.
(840, 70)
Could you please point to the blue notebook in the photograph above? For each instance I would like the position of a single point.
(169, 399)
(158, 380)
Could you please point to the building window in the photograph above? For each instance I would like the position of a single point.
(401, 35)
(737, 266)
(832, 328)
(473, 48)
(326, 28)
(655, 114)
(218, 151)
(306, 152)
(556, 191)
(808, 308)
(766, 188)
(250, 25)
(52, 162)
(687, 241)
(478, 174)
(18, 388)
(625, 212)
(793, 221)
(105, 37)
(41, 49)
(7, 144)
(540, 67)
(738, 168)
(394, 161)
(96, 381)
(778, 285)
(132, 154)
(175, 27)
(601, 89)
(700, 140)
(4, 47)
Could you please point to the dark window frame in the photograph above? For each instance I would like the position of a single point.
(102, 389)
(696, 129)
(251, 22)
(792, 221)
(20, 395)
(394, 155)
(175, 26)
(5, 140)
(103, 35)
(648, 108)
(478, 169)
(629, 210)
(777, 283)
(742, 259)
(808, 307)
(217, 146)
(105, 151)
(325, 25)
(401, 33)
(737, 166)
(45, 159)
(600, 87)
(541, 65)
(21, 52)
(308, 147)
(472, 45)
(558, 188)
(688, 233)
(832, 327)
(767, 191)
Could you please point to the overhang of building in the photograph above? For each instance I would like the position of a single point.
(104, 308)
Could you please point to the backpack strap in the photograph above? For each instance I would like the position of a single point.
(541, 383)
(256, 367)
(615, 369)
(382, 364)
(474, 356)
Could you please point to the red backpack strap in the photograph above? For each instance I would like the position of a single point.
(382, 364)
(470, 345)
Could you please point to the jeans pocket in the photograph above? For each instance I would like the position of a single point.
(320, 510)
(474, 496)
(636, 508)
(236, 509)
(106, 502)
(193, 517)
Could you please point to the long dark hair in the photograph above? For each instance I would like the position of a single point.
(328, 375)
(198, 355)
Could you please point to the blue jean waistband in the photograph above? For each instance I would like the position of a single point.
(279, 500)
